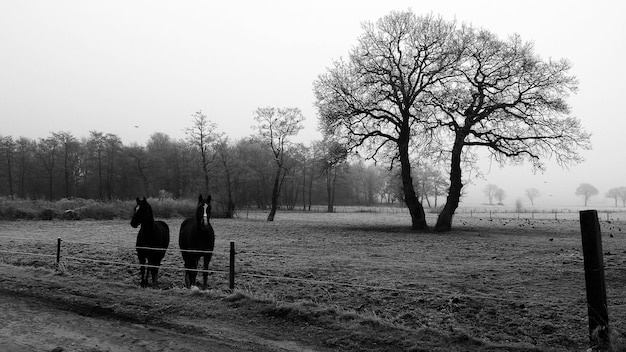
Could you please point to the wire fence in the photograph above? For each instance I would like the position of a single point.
(83, 252)
(512, 295)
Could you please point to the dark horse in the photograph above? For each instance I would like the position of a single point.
(152, 234)
(196, 240)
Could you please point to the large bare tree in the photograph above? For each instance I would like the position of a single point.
(276, 126)
(374, 99)
(508, 100)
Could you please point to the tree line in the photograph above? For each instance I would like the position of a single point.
(584, 190)
(238, 173)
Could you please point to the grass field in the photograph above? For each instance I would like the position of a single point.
(358, 281)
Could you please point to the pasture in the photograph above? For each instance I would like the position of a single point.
(343, 281)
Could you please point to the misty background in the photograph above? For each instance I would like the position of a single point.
(136, 68)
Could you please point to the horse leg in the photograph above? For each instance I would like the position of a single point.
(191, 263)
(142, 271)
(153, 271)
(205, 273)
(155, 275)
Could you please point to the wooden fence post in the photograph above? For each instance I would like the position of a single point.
(594, 279)
(231, 273)
(58, 252)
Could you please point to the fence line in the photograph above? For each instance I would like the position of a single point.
(299, 256)
(27, 253)
(282, 278)
(140, 265)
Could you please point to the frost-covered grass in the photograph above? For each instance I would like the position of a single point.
(358, 281)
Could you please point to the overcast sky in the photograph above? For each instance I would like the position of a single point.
(133, 68)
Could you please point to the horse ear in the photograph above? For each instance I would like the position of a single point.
(144, 199)
(137, 200)
(200, 198)
(208, 199)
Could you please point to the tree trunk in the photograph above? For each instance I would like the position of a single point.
(230, 207)
(304, 189)
(329, 192)
(444, 221)
(418, 217)
(10, 175)
(275, 194)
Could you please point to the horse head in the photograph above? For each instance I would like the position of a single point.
(203, 212)
(141, 212)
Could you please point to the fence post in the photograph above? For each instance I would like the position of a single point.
(58, 252)
(231, 274)
(594, 279)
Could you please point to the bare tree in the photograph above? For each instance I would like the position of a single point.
(622, 195)
(508, 100)
(202, 135)
(373, 101)
(586, 191)
(490, 191)
(138, 154)
(8, 149)
(616, 193)
(69, 145)
(276, 126)
(532, 194)
(227, 158)
(331, 155)
(97, 146)
(500, 195)
(46, 152)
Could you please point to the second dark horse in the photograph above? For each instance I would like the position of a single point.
(197, 240)
(152, 240)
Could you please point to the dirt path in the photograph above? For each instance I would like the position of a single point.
(29, 324)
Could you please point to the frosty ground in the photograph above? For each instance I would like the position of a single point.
(311, 281)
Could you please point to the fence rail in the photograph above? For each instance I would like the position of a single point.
(514, 296)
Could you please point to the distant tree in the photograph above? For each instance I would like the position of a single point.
(202, 135)
(586, 191)
(226, 155)
(431, 183)
(622, 195)
(8, 149)
(499, 194)
(519, 205)
(69, 149)
(96, 146)
(490, 191)
(276, 126)
(46, 152)
(532, 194)
(113, 148)
(330, 156)
(163, 163)
(617, 193)
(24, 164)
(138, 156)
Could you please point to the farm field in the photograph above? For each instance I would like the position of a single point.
(313, 282)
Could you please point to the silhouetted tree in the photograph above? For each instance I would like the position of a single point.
(202, 135)
(532, 194)
(586, 191)
(617, 193)
(373, 100)
(276, 126)
(505, 98)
